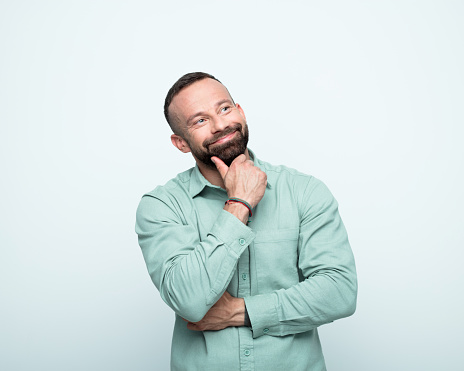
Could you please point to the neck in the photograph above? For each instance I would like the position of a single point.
(212, 174)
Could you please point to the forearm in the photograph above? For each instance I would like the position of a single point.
(318, 300)
(239, 211)
(193, 283)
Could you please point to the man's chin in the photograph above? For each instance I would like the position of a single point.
(229, 154)
(227, 157)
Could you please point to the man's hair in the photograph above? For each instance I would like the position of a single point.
(186, 80)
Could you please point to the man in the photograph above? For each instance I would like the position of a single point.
(251, 257)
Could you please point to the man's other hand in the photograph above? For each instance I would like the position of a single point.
(227, 312)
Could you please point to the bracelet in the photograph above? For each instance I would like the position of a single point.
(240, 201)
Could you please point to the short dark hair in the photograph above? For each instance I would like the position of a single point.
(186, 80)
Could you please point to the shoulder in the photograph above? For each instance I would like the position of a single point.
(284, 174)
(303, 186)
(168, 199)
(173, 188)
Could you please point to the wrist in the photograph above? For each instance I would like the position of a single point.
(237, 200)
(240, 211)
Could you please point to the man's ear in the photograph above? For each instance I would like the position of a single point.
(240, 109)
(180, 143)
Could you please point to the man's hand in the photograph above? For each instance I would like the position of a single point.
(242, 179)
(227, 312)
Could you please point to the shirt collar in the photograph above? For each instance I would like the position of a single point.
(198, 182)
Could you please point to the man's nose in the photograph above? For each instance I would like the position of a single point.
(219, 124)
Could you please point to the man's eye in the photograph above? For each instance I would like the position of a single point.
(200, 121)
(225, 109)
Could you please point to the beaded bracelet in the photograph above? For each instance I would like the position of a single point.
(243, 202)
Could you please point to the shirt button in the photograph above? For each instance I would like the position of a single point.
(247, 352)
(266, 330)
(242, 241)
(244, 276)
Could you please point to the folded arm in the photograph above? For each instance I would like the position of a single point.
(325, 260)
(190, 274)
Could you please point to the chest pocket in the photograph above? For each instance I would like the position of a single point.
(275, 255)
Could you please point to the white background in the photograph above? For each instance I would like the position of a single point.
(365, 95)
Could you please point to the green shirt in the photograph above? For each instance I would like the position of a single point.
(292, 264)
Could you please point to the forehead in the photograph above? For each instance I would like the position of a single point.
(201, 96)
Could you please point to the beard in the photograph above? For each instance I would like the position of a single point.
(227, 151)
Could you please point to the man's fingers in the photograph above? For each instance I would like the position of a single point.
(220, 165)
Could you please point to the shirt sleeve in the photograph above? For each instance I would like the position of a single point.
(329, 288)
(190, 274)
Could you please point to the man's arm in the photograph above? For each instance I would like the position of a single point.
(192, 275)
(325, 260)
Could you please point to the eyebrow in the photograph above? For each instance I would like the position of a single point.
(216, 105)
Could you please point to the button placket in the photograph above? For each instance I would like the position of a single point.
(245, 333)
(244, 288)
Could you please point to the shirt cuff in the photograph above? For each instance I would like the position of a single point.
(262, 311)
(232, 232)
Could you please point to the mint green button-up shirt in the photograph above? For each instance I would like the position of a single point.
(292, 264)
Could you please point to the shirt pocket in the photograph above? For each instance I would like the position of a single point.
(275, 254)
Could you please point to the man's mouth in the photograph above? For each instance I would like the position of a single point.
(225, 138)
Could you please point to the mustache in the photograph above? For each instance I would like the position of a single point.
(222, 134)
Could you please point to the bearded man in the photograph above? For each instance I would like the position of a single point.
(251, 257)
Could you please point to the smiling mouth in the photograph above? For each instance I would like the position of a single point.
(225, 138)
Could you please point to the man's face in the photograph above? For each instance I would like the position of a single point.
(211, 124)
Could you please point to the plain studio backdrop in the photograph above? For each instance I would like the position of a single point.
(365, 95)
